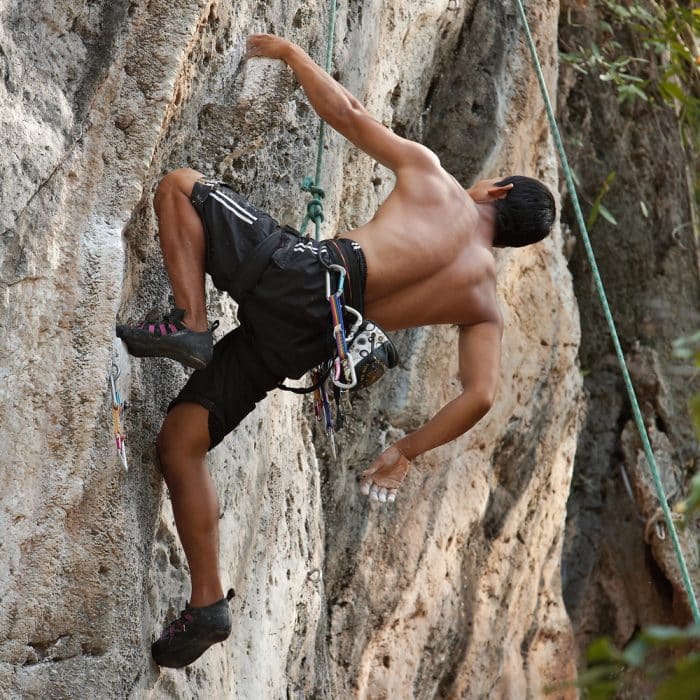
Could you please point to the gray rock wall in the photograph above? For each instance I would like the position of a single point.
(455, 590)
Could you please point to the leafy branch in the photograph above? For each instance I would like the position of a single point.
(665, 658)
(668, 33)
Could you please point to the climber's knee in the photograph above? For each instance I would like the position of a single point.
(183, 440)
(176, 183)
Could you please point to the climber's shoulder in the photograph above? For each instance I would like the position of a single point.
(384, 145)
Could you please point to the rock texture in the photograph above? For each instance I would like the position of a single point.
(619, 568)
(452, 592)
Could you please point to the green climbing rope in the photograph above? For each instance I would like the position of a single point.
(314, 208)
(611, 323)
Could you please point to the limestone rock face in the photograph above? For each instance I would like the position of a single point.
(455, 590)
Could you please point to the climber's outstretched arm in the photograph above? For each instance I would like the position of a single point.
(341, 110)
(479, 360)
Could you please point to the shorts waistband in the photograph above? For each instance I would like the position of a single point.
(348, 253)
(202, 189)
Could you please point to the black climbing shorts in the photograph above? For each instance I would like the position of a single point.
(283, 311)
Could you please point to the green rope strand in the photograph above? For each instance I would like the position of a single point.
(611, 323)
(314, 209)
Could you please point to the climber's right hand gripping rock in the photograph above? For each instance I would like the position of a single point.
(382, 480)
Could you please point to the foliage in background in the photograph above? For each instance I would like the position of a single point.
(665, 659)
(670, 675)
(597, 207)
(688, 348)
(667, 32)
(664, 67)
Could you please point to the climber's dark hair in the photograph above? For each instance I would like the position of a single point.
(526, 214)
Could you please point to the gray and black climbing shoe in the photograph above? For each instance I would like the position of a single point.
(169, 338)
(374, 353)
(184, 640)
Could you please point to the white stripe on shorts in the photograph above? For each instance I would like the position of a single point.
(304, 246)
(235, 207)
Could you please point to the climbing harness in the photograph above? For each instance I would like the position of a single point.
(639, 421)
(118, 408)
(362, 355)
(343, 371)
(362, 349)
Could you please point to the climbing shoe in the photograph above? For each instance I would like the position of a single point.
(169, 338)
(188, 637)
(374, 353)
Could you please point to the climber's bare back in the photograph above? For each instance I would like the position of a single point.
(426, 264)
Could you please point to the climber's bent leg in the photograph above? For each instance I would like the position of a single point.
(183, 334)
(183, 242)
(204, 226)
(211, 404)
(182, 447)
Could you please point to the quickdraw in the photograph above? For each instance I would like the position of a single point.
(118, 408)
(341, 373)
(361, 357)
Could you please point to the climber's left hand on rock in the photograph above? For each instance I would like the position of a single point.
(267, 45)
(382, 480)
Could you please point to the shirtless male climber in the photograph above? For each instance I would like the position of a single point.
(425, 258)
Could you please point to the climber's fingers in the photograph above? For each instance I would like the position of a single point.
(383, 478)
(267, 45)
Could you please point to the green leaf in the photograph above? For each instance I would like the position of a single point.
(668, 635)
(570, 57)
(687, 345)
(621, 12)
(597, 207)
(692, 501)
(601, 682)
(627, 92)
(645, 210)
(603, 649)
(635, 652)
(684, 682)
(607, 215)
(603, 691)
(671, 89)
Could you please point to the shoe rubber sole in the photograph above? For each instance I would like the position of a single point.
(188, 654)
(143, 344)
